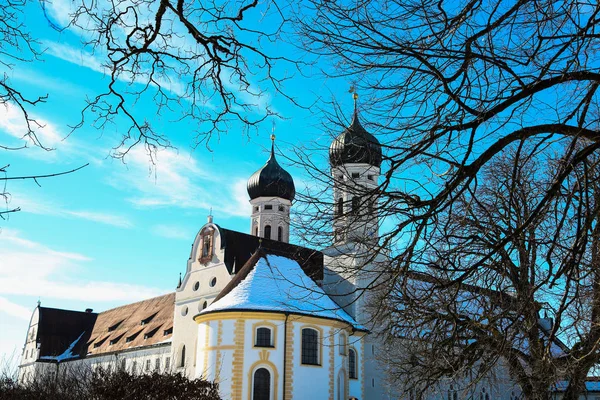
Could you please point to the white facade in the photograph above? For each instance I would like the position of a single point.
(206, 275)
(232, 357)
(271, 218)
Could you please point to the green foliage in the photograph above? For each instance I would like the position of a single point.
(107, 385)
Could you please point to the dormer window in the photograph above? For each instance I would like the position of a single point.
(115, 326)
(132, 337)
(148, 335)
(115, 340)
(147, 320)
(168, 331)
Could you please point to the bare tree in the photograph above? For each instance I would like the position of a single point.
(450, 88)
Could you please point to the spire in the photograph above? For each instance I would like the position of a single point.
(355, 97)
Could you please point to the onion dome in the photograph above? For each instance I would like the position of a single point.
(355, 146)
(271, 180)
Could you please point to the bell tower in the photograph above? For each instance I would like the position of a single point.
(355, 158)
(271, 190)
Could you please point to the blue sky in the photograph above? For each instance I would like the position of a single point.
(115, 232)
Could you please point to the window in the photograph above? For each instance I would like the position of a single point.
(484, 395)
(204, 305)
(452, 394)
(114, 326)
(184, 311)
(267, 233)
(340, 207)
(355, 205)
(196, 286)
(167, 363)
(168, 331)
(157, 364)
(148, 365)
(342, 340)
(123, 364)
(355, 175)
(262, 385)
(133, 367)
(371, 177)
(310, 346)
(352, 364)
(263, 337)
(151, 333)
(281, 207)
(280, 233)
(213, 282)
(256, 208)
(256, 231)
(342, 386)
(268, 206)
(182, 357)
(146, 320)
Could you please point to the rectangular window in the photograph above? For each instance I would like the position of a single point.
(167, 363)
(148, 365)
(268, 207)
(355, 175)
(263, 337)
(310, 347)
(157, 364)
(371, 177)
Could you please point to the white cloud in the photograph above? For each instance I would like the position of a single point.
(180, 181)
(14, 309)
(12, 122)
(47, 207)
(29, 268)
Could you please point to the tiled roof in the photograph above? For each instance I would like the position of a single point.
(79, 334)
(134, 325)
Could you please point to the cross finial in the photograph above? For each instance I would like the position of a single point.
(355, 97)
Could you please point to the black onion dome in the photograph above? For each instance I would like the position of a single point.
(355, 146)
(271, 181)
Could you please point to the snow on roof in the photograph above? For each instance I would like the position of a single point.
(67, 354)
(275, 283)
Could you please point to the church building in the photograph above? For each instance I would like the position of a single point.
(264, 318)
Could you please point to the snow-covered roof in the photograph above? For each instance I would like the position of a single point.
(277, 284)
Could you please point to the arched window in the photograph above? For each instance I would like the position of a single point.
(484, 395)
(310, 346)
(182, 357)
(452, 393)
(262, 385)
(342, 386)
(355, 204)
(263, 337)
(256, 231)
(280, 233)
(340, 207)
(342, 340)
(352, 364)
(267, 233)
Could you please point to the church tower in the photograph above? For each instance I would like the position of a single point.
(271, 190)
(355, 159)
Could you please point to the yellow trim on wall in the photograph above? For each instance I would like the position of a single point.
(289, 361)
(273, 371)
(219, 360)
(237, 364)
(265, 324)
(362, 369)
(276, 316)
(331, 364)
